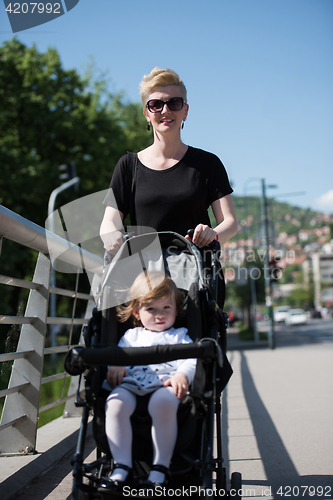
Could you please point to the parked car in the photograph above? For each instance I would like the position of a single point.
(296, 317)
(280, 313)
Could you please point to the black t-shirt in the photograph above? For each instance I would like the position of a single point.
(175, 199)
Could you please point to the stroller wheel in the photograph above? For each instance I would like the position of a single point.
(236, 485)
(79, 494)
(221, 478)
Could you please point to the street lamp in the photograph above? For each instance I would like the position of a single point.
(72, 181)
(268, 284)
(252, 271)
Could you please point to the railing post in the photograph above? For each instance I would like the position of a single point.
(21, 438)
(70, 409)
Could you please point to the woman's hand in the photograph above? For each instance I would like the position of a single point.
(115, 375)
(224, 213)
(202, 236)
(179, 382)
(113, 241)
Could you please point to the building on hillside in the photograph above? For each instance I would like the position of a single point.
(322, 267)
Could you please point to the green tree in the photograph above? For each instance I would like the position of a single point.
(330, 225)
(50, 116)
(239, 293)
(302, 294)
(290, 273)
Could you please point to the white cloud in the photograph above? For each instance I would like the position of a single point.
(325, 201)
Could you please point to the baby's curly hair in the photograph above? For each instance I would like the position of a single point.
(149, 286)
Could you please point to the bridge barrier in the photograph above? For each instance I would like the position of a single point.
(19, 419)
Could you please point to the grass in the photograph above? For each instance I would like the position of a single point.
(53, 391)
(247, 334)
(50, 392)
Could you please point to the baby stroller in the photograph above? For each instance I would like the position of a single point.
(197, 463)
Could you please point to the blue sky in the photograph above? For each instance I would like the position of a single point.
(258, 72)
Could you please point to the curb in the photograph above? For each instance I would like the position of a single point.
(55, 440)
(234, 341)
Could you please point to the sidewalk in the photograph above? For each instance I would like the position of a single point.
(277, 419)
(277, 428)
(54, 441)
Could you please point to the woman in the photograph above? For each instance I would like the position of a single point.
(174, 183)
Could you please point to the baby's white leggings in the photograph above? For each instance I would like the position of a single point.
(162, 407)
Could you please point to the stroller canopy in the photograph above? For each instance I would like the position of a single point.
(166, 252)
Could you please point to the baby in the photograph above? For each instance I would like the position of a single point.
(153, 313)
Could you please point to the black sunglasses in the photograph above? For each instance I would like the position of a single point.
(174, 104)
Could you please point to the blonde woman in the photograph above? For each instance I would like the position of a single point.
(174, 183)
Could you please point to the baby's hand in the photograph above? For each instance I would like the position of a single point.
(115, 375)
(179, 382)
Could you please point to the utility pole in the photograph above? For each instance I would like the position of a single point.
(268, 285)
(253, 275)
(70, 173)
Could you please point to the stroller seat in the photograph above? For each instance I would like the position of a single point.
(199, 416)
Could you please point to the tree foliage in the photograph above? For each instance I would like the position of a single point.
(303, 293)
(301, 296)
(50, 116)
(240, 293)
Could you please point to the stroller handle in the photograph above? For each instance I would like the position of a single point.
(214, 245)
(79, 358)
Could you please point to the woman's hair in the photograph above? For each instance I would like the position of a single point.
(160, 78)
(146, 288)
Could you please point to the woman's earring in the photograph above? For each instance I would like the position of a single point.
(183, 124)
(148, 126)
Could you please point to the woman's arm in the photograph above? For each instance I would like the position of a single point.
(226, 228)
(111, 226)
(224, 213)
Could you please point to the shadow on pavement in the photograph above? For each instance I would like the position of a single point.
(280, 470)
(46, 483)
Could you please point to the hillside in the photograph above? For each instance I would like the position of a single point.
(285, 217)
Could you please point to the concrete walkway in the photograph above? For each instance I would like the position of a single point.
(56, 443)
(277, 416)
(277, 428)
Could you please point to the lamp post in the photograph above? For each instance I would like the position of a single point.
(268, 283)
(251, 270)
(71, 183)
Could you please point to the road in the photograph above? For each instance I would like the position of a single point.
(315, 331)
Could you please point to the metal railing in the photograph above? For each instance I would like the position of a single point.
(19, 420)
